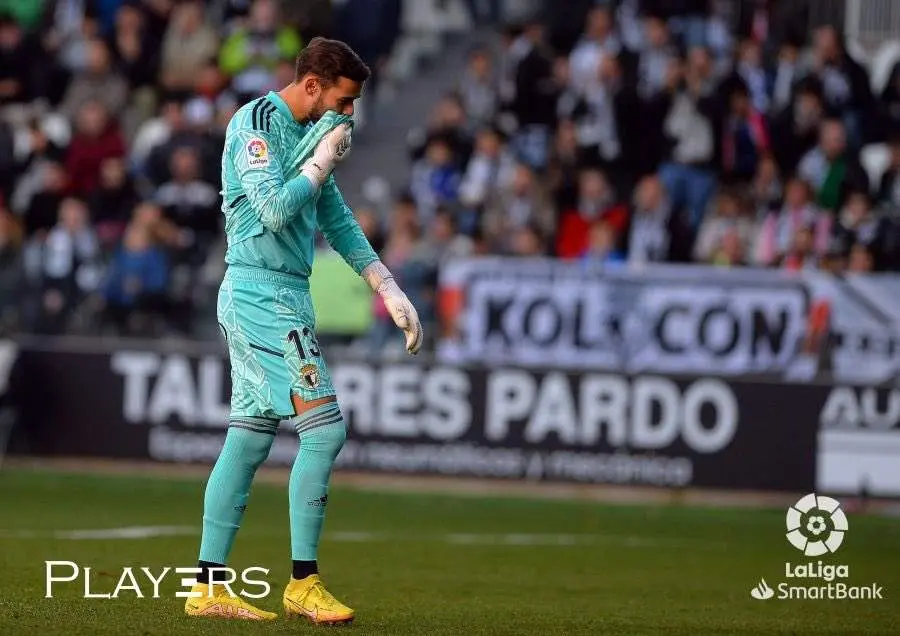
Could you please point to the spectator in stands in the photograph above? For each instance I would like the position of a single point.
(602, 248)
(444, 242)
(68, 35)
(435, 179)
(649, 234)
(831, 168)
(890, 100)
(889, 188)
(598, 42)
(796, 128)
(194, 128)
(565, 159)
(134, 50)
(726, 232)
(566, 22)
(155, 132)
(447, 120)
(112, 202)
(485, 12)
(37, 144)
(627, 155)
(69, 265)
(8, 164)
(250, 53)
(845, 82)
(371, 27)
(97, 137)
(656, 58)
(490, 166)
(520, 201)
(19, 60)
(534, 104)
(780, 226)
(597, 201)
(745, 138)
(136, 283)
(691, 121)
(786, 75)
(731, 250)
(10, 267)
(478, 88)
(162, 230)
(190, 202)
(719, 41)
(528, 241)
(41, 208)
(188, 45)
(767, 189)
(99, 82)
(801, 254)
(858, 223)
(370, 223)
(753, 75)
(607, 116)
(861, 260)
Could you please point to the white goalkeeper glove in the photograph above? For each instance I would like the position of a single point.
(401, 310)
(331, 150)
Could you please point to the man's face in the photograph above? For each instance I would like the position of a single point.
(98, 57)
(833, 140)
(338, 97)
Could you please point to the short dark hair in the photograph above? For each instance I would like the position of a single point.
(329, 60)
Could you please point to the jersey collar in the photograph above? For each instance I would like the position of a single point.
(281, 106)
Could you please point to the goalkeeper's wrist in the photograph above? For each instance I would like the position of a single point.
(380, 280)
(316, 171)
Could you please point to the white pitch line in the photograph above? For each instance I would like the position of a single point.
(510, 539)
(129, 532)
(458, 538)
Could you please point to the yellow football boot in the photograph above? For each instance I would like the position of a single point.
(308, 598)
(221, 604)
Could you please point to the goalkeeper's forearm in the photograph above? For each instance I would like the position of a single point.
(279, 204)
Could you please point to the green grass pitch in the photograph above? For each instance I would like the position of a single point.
(434, 564)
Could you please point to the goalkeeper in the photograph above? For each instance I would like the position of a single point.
(278, 188)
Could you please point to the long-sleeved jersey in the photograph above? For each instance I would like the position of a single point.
(271, 211)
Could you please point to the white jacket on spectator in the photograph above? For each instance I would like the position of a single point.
(585, 60)
(483, 176)
(691, 129)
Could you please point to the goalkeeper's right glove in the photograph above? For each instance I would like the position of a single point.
(333, 148)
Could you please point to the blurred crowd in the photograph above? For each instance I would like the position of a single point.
(604, 131)
(112, 119)
(649, 131)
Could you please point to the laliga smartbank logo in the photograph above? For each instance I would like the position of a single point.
(816, 526)
(144, 582)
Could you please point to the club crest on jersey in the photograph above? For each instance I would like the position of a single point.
(310, 375)
(257, 153)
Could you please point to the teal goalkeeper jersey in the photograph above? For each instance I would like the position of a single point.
(271, 211)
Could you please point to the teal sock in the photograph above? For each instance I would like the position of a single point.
(246, 447)
(322, 433)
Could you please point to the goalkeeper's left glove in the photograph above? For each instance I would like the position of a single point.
(401, 310)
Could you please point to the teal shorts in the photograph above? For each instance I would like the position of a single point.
(269, 324)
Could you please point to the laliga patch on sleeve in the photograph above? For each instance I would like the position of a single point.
(257, 153)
